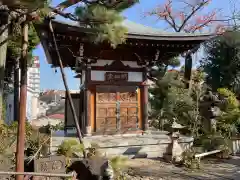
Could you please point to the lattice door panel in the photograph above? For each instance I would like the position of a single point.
(129, 117)
(106, 118)
(128, 110)
(116, 111)
(106, 98)
(128, 97)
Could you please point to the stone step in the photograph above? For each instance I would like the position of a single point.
(151, 145)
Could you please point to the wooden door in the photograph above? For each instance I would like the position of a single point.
(128, 111)
(106, 116)
(116, 111)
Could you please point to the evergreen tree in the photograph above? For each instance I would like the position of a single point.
(222, 63)
(105, 19)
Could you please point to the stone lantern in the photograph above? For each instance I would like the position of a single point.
(210, 110)
(174, 150)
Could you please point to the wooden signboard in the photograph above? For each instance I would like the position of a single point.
(116, 76)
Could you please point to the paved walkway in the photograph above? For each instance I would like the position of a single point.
(145, 169)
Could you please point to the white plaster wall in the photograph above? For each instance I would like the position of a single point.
(132, 76)
(132, 64)
(29, 106)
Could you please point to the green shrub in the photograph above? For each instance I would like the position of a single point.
(189, 159)
(69, 147)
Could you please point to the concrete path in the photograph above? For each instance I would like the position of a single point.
(145, 169)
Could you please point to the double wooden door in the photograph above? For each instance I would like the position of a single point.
(116, 111)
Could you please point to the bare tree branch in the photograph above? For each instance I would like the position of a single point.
(195, 10)
(187, 17)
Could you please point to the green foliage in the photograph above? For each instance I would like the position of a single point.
(118, 163)
(15, 44)
(171, 101)
(8, 134)
(231, 99)
(25, 4)
(189, 159)
(69, 147)
(230, 116)
(174, 62)
(222, 63)
(106, 21)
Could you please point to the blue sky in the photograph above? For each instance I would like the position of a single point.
(52, 80)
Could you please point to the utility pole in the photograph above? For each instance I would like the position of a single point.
(23, 102)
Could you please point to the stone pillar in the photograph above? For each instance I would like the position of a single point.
(87, 104)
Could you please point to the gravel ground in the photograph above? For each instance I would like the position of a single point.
(147, 169)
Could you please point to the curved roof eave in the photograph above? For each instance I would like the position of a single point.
(139, 31)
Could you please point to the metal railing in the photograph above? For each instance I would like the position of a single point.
(28, 175)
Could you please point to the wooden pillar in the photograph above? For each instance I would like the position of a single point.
(144, 99)
(87, 101)
(188, 70)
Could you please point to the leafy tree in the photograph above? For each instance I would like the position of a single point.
(229, 120)
(160, 98)
(170, 101)
(186, 16)
(222, 63)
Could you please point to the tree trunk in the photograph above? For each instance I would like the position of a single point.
(23, 102)
(3, 56)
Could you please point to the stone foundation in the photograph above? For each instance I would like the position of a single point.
(147, 145)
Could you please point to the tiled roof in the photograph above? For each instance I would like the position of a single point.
(142, 30)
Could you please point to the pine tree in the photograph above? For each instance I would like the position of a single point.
(106, 20)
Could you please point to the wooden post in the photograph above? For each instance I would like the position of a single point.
(23, 102)
(188, 70)
(88, 102)
(144, 100)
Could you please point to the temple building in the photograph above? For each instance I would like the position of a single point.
(114, 92)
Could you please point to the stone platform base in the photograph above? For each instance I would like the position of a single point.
(151, 145)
